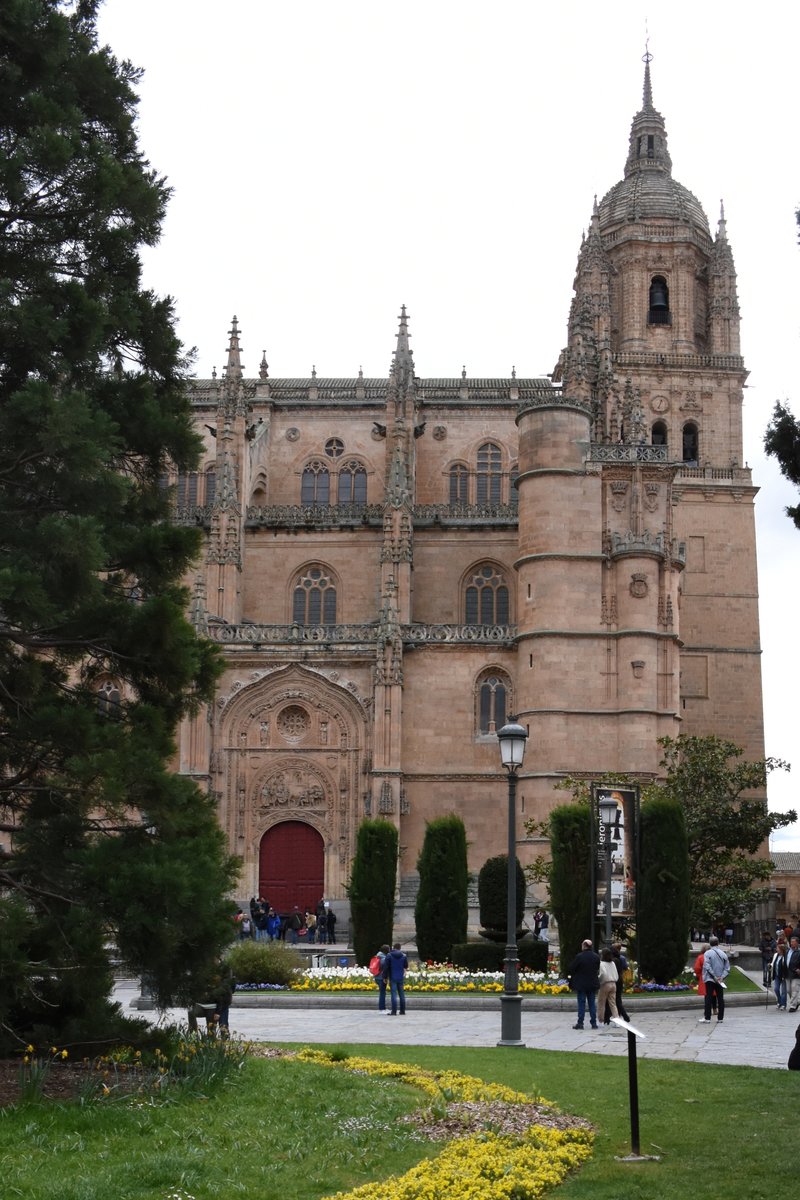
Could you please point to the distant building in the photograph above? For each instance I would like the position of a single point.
(785, 882)
(394, 565)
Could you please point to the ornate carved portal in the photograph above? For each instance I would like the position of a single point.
(290, 744)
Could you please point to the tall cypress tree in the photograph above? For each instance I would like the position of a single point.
(102, 843)
(441, 911)
(570, 877)
(371, 890)
(663, 932)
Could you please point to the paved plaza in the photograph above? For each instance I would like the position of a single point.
(752, 1034)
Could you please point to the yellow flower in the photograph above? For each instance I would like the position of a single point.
(64, 1054)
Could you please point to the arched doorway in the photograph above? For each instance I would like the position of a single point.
(291, 866)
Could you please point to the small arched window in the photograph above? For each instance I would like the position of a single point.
(658, 434)
(352, 487)
(211, 484)
(109, 700)
(316, 485)
(186, 492)
(659, 313)
(691, 444)
(486, 597)
(489, 475)
(493, 697)
(314, 598)
(459, 482)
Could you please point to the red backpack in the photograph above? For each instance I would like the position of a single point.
(375, 965)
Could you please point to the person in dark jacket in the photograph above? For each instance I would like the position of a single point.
(584, 978)
(331, 926)
(395, 965)
(794, 1058)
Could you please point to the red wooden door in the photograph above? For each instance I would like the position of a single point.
(292, 866)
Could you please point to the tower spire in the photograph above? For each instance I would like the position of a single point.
(233, 367)
(648, 140)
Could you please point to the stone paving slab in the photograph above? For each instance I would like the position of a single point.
(751, 1035)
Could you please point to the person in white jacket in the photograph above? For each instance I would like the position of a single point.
(608, 985)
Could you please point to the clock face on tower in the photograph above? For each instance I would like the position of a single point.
(660, 404)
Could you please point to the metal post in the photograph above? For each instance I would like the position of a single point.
(511, 1001)
(633, 1087)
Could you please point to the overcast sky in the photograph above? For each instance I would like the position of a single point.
(331, 162)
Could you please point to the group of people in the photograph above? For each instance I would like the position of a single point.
(265, 924)
(389, 966)
(780, 959)
(597, 980)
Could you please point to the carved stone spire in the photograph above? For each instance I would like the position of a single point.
(648, 143)
(233, 367)
(723, 300)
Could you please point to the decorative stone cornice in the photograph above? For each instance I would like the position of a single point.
(617, 452)
(358, 635)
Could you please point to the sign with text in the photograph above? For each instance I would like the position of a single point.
(615, 814)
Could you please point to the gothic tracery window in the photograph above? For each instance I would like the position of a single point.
(211, 484)
(109, 699)
(493, 696)
(458, 484)
(486, 597)
(186, 491)
(352, 484)
(489, 474)
(316, 484)
(314, 598)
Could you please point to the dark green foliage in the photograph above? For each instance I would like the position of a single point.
(441, 911)
(570, 877)
(263, 962)
(782, 441)
(663, 939)
(490, 956)
(371, 890)
(493, 898)
(92, 412)
(727, 822)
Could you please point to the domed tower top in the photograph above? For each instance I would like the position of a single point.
(648, 190)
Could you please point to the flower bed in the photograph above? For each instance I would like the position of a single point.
(506, 1159)
(441, 978)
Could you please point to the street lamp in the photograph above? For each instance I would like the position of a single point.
(512, 738)
(608, 810)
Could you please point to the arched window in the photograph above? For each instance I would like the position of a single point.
(187, 490)
(513, 494)
(459, 482)
(486, 598)
(109, 700)
(658, 434)
(316, 485)
(314, 598)
(352, 484)
(211, 484)
(493, 697)
(489, 476)
(659, 313)
(691, 444)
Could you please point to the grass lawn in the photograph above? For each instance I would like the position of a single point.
(290, 1131)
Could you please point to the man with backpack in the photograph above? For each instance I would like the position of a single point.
(395, 965)
(376, 971)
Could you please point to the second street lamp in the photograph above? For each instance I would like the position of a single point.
(512, 738)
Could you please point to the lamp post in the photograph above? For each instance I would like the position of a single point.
(512, 738)
(608, 815)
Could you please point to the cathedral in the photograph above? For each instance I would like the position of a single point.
(394, 566)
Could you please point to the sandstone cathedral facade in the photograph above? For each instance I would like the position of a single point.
(393, 566)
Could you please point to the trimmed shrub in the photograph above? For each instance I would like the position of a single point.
(263, 962)
(663, 934)
(441, 909)
(490, 956)
(371, 889)
(493, 898)
(570, 877)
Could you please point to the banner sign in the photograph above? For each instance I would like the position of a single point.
(615, 814)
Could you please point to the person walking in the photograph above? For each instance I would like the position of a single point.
(584, 979)
(621, 963)
(716, 966)
(701, 983)
(607, 992)
(395, 965)
(294, 925)
(331, 926)
(793, 973)
(777, 969)
(766, 946)
(376, 971)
